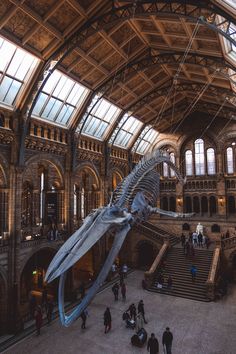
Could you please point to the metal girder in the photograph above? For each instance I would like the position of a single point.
(195, 12)
(152, 58)
(138, 9)
(181, 87)
(204, 106)
(164, 91)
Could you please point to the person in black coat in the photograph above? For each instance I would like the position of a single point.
(167, 339)
(153, 345)
(141, 310)
(107, 320)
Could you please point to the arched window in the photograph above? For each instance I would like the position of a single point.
(164, 203)
(204, 205)
(199, 157)
(165, 170)
(172, 159)
(230, 164)
(172, 204)
(189, 163)
(213, 207)
(82, 204)
(75, 201)
(211, 165)
(196, 205)
(231, 205)
(188, 204)
(42, 188)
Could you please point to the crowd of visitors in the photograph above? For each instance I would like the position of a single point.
(192, 241)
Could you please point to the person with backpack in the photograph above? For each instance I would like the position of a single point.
(193, 272)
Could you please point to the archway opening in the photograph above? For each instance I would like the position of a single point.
(32, 279)
(146, 255)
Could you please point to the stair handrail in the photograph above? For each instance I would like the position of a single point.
(213, 273)
(149, 275)
(164, 230)
(229, 242)
(153, 234)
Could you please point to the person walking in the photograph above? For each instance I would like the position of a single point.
(115, 290)
(153, 345)
(32, 305)
(167, 339)
(50, 308)
(132, 311)
(125, 270)
(84, 315)
(193, 272)
(182, 239)
(38, 319)
(123, 291)
(107, 320)
(141, 309)
(139, 322)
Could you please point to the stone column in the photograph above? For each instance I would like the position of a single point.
(15, 322)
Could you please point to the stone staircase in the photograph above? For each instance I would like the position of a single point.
(178, 266)
(153, 229)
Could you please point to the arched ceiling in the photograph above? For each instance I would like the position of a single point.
(153, 58)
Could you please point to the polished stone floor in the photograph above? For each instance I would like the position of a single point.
(198, 327)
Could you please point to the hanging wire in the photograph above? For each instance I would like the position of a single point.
(193, 104)
(174, 82)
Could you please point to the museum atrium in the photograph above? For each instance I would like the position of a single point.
(87, 89)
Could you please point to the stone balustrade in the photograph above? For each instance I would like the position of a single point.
(33, 243)
(49, 132)
(150, 233)
(4, 121)
(229, 242)
(150, 274)
(212, 276)
(90, 145)
(120, 154)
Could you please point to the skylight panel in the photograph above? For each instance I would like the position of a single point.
(16, 65)
(147, 141)
(127, 131)
(59, 99)
(100, 118)
(231, 3)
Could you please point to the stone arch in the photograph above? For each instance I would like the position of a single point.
(89, 167)
(87, 191)
(32, 275)
(53, 247)
(42, 160)
(118, 176)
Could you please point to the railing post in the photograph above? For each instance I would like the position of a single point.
(212, 277)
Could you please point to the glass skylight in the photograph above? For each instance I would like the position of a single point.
(147, 141)
(59, 99)
(100, 118)
(16, 65)
(231, 3)
(127, 131)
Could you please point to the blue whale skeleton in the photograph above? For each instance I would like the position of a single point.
(131, 202)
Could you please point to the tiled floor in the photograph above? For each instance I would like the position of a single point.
(198, 327)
